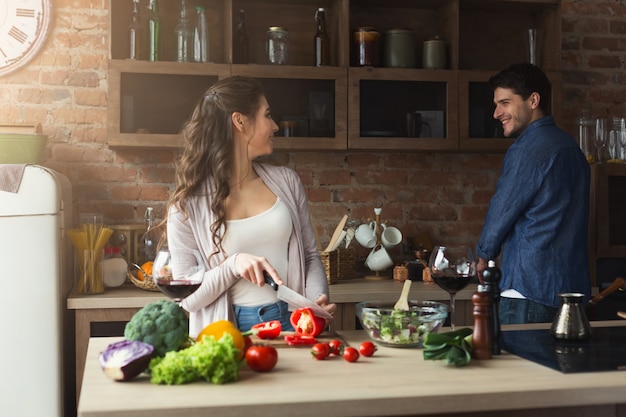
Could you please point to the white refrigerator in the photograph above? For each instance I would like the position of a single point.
(36, 266)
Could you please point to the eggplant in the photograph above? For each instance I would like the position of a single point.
(124, 360)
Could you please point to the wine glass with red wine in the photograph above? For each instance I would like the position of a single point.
(176, 286)
(452, 268)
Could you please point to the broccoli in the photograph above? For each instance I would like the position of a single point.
(162, 324)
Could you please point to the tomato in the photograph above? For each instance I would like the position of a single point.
(320, 351)
(350, 354)
(304, 321)
(367, 349)
(261, 358)
(268, 329)
(336, 347)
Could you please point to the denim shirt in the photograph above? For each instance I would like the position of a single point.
(539, 216)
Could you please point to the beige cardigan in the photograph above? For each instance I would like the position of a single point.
(211, 301)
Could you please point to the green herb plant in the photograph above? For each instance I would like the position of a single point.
(455, 347)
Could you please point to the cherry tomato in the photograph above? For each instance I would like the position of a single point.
(367, 349)
(350, 354)
(336, 347)
(320, 351)
(261, 358)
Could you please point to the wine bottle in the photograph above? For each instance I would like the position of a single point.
(240, 43)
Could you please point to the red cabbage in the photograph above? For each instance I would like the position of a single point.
(124, 360)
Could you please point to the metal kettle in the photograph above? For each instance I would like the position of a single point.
(570, 321)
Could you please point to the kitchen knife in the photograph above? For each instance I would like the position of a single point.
(289, 296)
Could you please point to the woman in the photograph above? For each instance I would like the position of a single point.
(242, 217)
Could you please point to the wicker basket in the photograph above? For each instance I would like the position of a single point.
(339, 264)
(146, 284)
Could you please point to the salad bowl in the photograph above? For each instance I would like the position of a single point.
(398, 328)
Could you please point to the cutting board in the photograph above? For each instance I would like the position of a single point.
(280, 341)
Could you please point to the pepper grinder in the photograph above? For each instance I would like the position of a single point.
(491, 278)
(482, 334)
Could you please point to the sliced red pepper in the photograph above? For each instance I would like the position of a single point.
(305, 322)
(300, 340)
(267, 330)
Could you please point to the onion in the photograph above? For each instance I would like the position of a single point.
(124, 360)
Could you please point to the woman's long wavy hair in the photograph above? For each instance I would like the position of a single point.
(208, 147)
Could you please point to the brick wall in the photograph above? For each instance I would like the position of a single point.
(65, 88)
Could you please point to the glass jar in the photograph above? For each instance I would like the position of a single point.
(367, 46)
(276, 46)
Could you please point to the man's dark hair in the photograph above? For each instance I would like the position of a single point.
(525, 79)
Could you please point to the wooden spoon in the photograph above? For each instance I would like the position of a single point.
(616, 285)
(403, 303)
(337, 233)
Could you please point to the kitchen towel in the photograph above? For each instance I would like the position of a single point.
(11, 177)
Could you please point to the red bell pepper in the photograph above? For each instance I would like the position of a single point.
(299, 340)
(267, 330)
(305, 322)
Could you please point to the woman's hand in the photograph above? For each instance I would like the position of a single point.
(250, 268)
(322, 301)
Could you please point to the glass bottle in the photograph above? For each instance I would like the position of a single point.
(201, 36)
(184, 35)
(321, 41)
(240, 43)
(149, 239)
(585, 133)
(276, 46)
(135, 33)
(154, 29)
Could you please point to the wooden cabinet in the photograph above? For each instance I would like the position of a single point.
(609, 204)
(342, 106)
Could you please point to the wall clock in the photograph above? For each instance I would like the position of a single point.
(24, 28)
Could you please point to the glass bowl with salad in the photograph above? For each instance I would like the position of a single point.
(399, 328)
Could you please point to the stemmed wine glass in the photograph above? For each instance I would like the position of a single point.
(176, 286)
(599, 140)
(452, 268)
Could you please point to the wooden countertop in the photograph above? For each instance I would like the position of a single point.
(393, 382)
(347, 291)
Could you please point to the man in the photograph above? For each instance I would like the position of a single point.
(538, 216)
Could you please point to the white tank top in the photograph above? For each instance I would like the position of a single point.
(265, 234)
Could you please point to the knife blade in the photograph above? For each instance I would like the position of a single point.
(289, 296)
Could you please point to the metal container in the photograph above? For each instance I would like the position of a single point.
(399, 50)
(434, 54)
(570, 321)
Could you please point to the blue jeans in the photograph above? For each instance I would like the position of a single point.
(519, 310)
(249, 316)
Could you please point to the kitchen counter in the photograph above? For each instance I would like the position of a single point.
(119, 304)
(392, 382)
